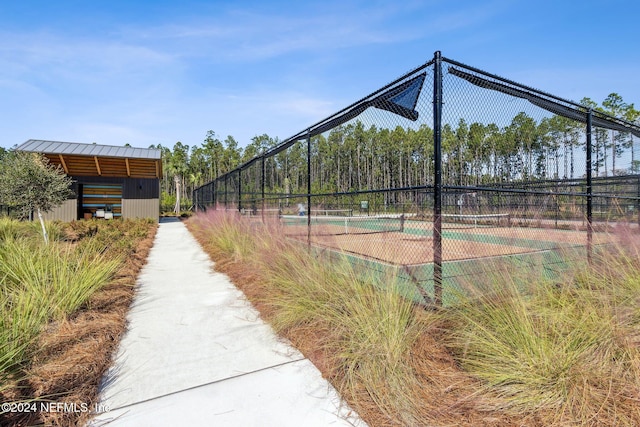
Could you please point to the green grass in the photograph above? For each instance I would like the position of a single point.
(31, 230)
(43, 283)
(60, 278)
(566, 350)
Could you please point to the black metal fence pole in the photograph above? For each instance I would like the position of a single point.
(240, 189)
(557, 204)
(194, 198)
(214, 195)
(637, 200)
(226, 200)
(437, 187)
(589, 188)
(308, 188)
(262, 186)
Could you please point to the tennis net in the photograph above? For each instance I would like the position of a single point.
(476, 221)
(322, 225)
(261, 212)
(332, 212)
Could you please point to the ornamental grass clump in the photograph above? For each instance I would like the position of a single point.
(21, 319)
(225, 232)
(556, 349)
(42, 283)
(59, 277)
(12, 229)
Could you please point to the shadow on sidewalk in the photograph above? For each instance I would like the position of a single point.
(166, 219)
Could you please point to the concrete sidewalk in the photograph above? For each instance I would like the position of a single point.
(196, 353)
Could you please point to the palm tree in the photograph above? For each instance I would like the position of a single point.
(178, 166)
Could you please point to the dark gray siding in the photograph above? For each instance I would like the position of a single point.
(132, 188)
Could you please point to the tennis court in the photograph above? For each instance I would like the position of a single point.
(405, 240)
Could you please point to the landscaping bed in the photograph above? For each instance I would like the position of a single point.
(54, 349)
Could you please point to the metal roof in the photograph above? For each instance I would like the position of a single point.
(98, 160)
(81, 149)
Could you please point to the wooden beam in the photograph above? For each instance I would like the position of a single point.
(126, 160)
(158, 169)
(97, 165)
(64, 165)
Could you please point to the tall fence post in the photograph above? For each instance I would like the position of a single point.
(589, 188)
(214, 195)
(437, 181)
(194, 198)
(240, 189)
(637, 200)
(262, 185)
(226, 190)
(309, 188)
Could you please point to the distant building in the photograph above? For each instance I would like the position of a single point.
(108, 181)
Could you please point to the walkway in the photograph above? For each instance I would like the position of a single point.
(196, 353)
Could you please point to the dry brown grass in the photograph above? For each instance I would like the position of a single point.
(72, 355)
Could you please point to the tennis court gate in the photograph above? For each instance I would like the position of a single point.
(445, 139)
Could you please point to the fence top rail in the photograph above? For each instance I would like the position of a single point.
(549, 102)
(510, 82)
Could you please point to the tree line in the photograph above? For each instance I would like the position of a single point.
(354, 157)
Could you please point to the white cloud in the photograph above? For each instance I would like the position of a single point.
(57, 60)
(242, 35)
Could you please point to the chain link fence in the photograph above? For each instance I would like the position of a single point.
(441, 171)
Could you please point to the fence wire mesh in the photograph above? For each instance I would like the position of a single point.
(442, 170)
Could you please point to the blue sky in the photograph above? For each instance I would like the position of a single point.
(157, 72)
